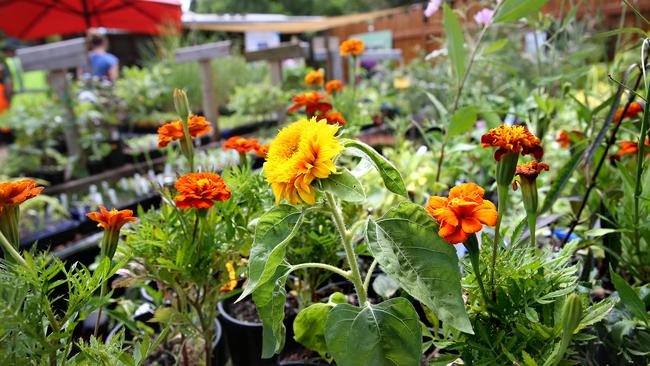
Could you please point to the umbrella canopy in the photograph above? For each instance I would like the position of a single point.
(34, 19)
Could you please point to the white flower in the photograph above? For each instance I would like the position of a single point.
(432, 7)
(484, 16)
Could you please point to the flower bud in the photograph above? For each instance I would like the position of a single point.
(181, 103)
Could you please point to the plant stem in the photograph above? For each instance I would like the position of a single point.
(328, 267)
(639, 172)
(371, 269)
(532, 226)
(611, 141)
(102, 293)
(8, 248)
(355, 275)
(474, 256)
(502, 192)
(461, 86)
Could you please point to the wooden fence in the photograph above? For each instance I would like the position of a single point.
(413, 33)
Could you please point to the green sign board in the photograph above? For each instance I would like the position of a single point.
(382, 40)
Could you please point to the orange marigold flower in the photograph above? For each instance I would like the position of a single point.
(241, 144)
(353, 47)
(334, 86)
(531, 169)
(315, 77)
(516, 139)
(332, 117)
(462, 213)
(15, 193)
(173, 131)
(563, 139)
(200, 190)
(112, 220)
(232, 279)
(632, 111)
(312, 101)
(629, 147)
(261, 151)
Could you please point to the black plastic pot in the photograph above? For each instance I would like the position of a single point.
(219, 349)
(53, 176)
(55, 233)
(244, 339)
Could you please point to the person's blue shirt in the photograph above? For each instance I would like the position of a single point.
(101, 62)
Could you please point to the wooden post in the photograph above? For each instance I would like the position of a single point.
(57, 58)
(204, 54)
(274, 57)
(210, 107)
(276, 72)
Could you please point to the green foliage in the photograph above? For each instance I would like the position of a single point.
(345, 186)
(273, 232)
(526, 321)
(388, 333)
(455, 42)
(424, 265)
(42, 304)
(391, 177)
(257, 100)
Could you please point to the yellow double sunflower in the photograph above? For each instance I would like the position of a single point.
(301, 153)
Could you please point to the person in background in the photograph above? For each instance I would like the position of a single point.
(5, 86)
(21, 87)
(101, 63)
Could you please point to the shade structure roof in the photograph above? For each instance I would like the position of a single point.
(35, 19)
(277, 23)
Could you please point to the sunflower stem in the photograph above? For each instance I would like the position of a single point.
(355, 274)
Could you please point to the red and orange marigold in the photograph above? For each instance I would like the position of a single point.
(353, 47)
(334, 86)
(240, 144)
(312, 102)
(630, 147)
(632, 111)
(15, 193)
(332, 117)
(172, 131)
(512, 139)
(315, 77)
(462, 213)
(261, 151)
(531, 169)
(112, 220)
(200, 190)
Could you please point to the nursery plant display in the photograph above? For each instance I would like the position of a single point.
(483, 204)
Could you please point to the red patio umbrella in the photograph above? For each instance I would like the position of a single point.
(34, 19)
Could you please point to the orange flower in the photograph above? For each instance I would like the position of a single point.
(112, 220)
(563, 139)
(173, 131)
(632, 111)
(315, 77)
(241, 144)
(15, 193)
(332, 117)
(200, 190)
(232, 279)
(531, 169)
(261, 151)
(312, 101)
(462, 213)
(516, 139)
(629, 147)
(334, 86)
(353, 47)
